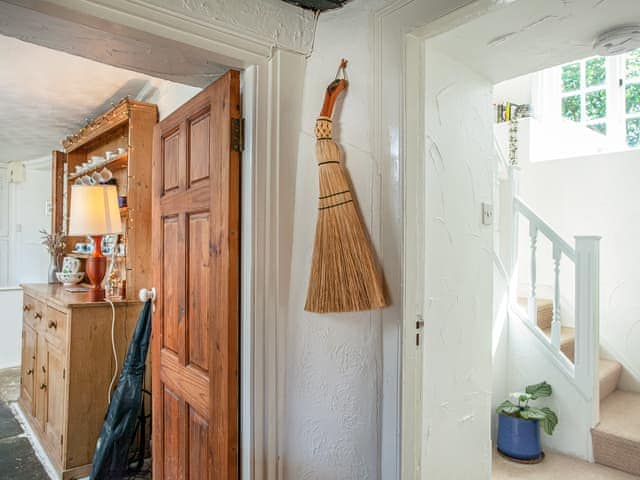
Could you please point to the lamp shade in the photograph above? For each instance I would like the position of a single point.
(94, 210)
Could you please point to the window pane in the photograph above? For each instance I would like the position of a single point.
(598, 127)
(596, 104)
(633, 98)
(571, 108)
(633, 65)
(571, 77)
(633, 132)
(595, 72)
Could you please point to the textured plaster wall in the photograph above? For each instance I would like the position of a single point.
(334, 365)
(285, 25)
(459, 265)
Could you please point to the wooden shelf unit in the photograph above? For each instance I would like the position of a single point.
(121, 161)
(128, 125)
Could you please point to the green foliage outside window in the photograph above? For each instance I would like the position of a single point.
(571, 77)
(633, 132)
(596, 104)
(633, 65)
(571, 108)
(595, 72)
(632, 94)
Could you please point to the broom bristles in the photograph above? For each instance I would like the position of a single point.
(344, 273)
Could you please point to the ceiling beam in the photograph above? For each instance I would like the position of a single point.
(318, 5)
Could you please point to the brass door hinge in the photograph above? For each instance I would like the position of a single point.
(237, 134)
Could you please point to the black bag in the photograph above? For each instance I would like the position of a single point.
(111, 458)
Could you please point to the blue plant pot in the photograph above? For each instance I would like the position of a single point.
(519, 438)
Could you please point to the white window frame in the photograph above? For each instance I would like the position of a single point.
(615, 87)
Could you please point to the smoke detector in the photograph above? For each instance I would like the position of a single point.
(618, 40)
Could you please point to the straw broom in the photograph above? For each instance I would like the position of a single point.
(344, 273)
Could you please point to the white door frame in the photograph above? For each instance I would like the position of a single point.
(400, 29)
(272, 84)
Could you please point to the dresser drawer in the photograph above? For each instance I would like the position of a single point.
(33, 312)
(56, 325)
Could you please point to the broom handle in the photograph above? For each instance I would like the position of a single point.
(333, 91)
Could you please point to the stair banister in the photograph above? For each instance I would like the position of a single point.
(556, 326)
(533, 304)
(587, 312)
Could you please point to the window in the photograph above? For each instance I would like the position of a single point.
(603, 94)
(584, 93)
(632, 98)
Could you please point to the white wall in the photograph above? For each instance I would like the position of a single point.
(10, 326)
(29, 260)
(459, 272)
(22, 258)
(168, 96)
(334, 379)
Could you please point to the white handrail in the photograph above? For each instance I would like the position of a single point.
(545, 228)
(586, 258)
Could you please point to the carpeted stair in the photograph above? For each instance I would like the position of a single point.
(616, 439)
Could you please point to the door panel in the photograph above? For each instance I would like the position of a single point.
(196, 201)
(199, 141)
(198, 290)
(40, 397)
(171, 277)
(55, 382)
(27, 374)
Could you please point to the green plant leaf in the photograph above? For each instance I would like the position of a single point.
(549, 421)
(507, 408)
(532, 413)
(539, 390)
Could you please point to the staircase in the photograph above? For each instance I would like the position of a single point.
(611, 415)
(616, 439)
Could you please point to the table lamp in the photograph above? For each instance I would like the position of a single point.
(94, 211)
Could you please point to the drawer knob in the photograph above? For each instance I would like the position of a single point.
(37, 315)
(43, 386)
(30, 371)
(53, 324)
(26, 308)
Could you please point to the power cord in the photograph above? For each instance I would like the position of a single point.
(113, 345)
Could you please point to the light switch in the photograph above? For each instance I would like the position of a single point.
(487, 213)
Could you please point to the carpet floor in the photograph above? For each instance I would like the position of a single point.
(555, 467)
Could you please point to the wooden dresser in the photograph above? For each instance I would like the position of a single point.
(67, 366)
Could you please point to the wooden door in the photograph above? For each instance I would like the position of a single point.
(54, 410)
(27, 374)
(196, 203)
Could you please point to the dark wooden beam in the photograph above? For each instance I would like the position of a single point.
(319, 5)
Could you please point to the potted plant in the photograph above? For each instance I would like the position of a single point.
(519, 424)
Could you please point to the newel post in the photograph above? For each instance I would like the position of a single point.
(587, 317)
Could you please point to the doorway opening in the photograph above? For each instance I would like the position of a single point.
(455, 67)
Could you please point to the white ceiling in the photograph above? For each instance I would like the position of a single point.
(528, 35)
(45, 95)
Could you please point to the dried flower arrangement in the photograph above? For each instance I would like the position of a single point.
(53, 242)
